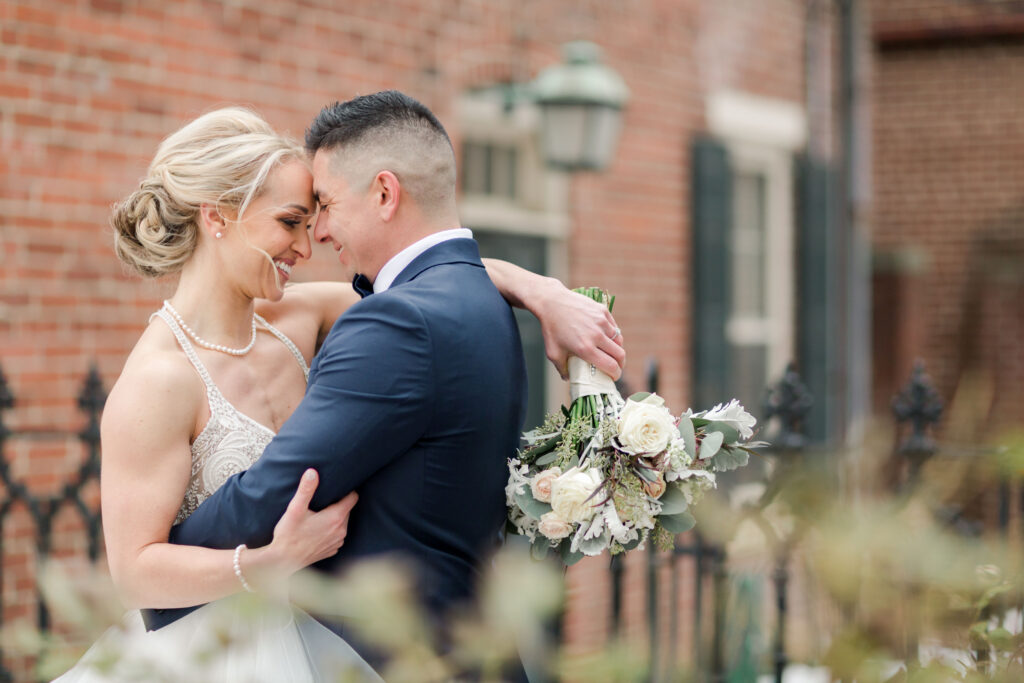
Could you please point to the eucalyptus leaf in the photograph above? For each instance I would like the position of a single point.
(699, 422)
(530, 505)
(569, 558)
(535, 435)
(540, 547)
(677, 524)
(639, 396)
(729, 433)
(673, 501)
(729, 459)
(688, 436)
(645, 474)
(547, 458)
(710, 444)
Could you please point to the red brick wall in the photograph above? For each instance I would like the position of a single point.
(949, 175)
(920, 17)
(88, 89)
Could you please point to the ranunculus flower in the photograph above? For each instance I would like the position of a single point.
(656, 488)
(554, 527)
(540, 486)
(571, 492)
(646, 426)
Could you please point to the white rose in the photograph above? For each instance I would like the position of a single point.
(540, 486)
(554, 527)
(646, 426)
(571, 494)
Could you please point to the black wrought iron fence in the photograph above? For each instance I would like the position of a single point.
(917, 408)
(43, 508)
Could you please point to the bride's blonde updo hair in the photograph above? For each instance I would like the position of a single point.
(223, 158)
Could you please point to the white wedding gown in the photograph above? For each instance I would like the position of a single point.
(227, 641)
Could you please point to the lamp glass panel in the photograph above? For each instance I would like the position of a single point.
(603, 126)
(564, 134)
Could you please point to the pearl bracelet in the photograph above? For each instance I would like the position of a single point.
(238, 568)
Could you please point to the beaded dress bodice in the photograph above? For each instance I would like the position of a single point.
(231, 441)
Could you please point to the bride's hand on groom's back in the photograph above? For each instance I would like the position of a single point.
(301, 536)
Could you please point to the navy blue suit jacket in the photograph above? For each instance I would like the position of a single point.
(415, 400)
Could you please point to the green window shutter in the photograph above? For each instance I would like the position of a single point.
(817, 305)
(711, 201)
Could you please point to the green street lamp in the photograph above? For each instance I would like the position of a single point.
(581, 104)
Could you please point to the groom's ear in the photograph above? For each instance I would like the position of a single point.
(387, 192)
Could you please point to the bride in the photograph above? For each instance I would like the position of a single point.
(226, 205)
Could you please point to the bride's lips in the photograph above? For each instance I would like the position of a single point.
(284, 268)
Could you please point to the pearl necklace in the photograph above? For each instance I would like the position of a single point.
(207, 345)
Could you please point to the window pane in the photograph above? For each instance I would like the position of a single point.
(475, 168)
(748, 245)
(749, 366)
(489, 169)
(503, 172)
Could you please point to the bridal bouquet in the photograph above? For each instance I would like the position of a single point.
(609, 474)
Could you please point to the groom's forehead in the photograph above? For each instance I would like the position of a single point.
(325, 178)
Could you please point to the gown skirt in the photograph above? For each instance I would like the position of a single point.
(234, 640)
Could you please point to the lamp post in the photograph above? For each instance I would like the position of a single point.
(581, 104)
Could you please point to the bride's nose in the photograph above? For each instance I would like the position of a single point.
(302, 245)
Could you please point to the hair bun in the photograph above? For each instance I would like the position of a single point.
(149, 234)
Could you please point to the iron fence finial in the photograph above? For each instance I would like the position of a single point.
(790, 401)
(920, 405)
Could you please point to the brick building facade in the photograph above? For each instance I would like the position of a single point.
(88, 89)
(948, 226)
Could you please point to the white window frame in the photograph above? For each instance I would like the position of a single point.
(762, 135)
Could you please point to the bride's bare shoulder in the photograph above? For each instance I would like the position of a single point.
(157, 383)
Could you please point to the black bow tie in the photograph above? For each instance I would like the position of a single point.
(362, 285)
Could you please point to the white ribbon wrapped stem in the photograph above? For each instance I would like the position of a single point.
(586, 380)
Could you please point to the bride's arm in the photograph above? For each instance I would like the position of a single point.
(572, 324)
(147, 423)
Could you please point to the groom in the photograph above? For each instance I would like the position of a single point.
(417, 396)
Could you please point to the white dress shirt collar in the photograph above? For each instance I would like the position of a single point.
(402, 259)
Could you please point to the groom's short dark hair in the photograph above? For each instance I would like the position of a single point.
(346, 122)
(390, 131)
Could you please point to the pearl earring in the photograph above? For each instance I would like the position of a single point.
(219, 235)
